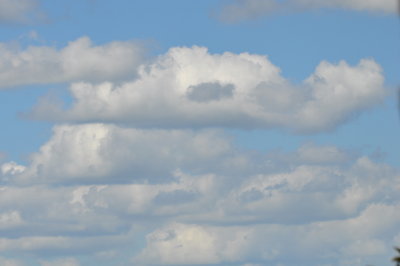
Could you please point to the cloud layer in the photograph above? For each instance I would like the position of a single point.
(107, 154)
(207, 202)
(239, 10)
(191, 88)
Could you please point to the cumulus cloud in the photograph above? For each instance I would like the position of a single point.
(208, 203)
(239, 10)
(355, 241)
(22, 11)
(189, 88)
(11, 168)
(104, 153)
(98, 153)
(79, 60)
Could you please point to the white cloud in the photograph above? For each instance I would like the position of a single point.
(180, 245)
(58, 246)
(33, 213)
(10, 219)
(255, 187)
(388, 6)
(319, 192)
(246, 208)
(61, 262)
(11, 168)
(239, 10)
(80, 60)
(21, 11)
(189, 87)
(322, 243)
(10, 262)
(97, 153)
(107, 154)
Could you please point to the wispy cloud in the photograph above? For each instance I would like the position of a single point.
(21, 11)
(239, 10)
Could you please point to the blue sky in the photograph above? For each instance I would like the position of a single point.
(232, 132)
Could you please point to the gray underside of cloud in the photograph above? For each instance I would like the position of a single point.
(21, 11)
(238, 10)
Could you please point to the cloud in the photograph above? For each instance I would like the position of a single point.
(191, 88)
(80, 60)
(104, 153)
(245, 207)
(11, 168)
(58, 246)
(353, 241)
(239, 10)
(22, 11)
(118, 186)
(195, 246)
(98, 153)
(10, 262)
(346, 191)
(9, 220)
(61, 262)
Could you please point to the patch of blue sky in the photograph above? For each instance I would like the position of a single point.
(21, 136)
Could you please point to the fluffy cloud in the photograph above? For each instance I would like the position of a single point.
(249, 9)
(79, 60)
(98, 153)
(103, 153)
(246, 208)
(319, 192)
(21, 11)
(355, 241)
(189, 87)
(11, 168)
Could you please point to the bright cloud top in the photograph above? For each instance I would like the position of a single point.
(189, 87)
(79, 60)
(97, 153)
(249, 9)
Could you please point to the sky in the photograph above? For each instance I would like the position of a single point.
(213, 132)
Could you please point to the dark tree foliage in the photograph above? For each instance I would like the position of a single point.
(397, 259)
